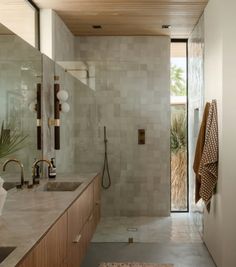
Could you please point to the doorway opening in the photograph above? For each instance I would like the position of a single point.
(179, 126)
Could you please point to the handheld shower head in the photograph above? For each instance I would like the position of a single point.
(105, 164)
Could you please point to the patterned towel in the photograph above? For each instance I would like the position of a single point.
(208, 168)
(134, 265)
(199, 151)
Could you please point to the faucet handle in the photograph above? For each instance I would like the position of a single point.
(36, 171)
(19, 186)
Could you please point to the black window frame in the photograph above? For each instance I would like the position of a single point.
(184, 40)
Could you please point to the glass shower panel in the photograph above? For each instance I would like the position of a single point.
(77, 130)
(20, 72)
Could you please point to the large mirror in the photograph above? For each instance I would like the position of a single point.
(33, 128)
(20, 76)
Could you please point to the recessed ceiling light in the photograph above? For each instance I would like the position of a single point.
(97, 26)
(166, 26)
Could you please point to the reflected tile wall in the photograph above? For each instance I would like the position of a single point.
(65, 158)
(132, 92)
(48, 109)
(196, 98)
(20, 71)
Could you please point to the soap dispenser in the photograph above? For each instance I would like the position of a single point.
(3, 195)
(52, 170)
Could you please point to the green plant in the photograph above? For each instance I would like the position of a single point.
(11, 141)
(178, 84)
(178, 133)
(178, 161)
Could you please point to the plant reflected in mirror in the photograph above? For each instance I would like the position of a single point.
(11, 141)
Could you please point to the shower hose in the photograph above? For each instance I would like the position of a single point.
(105, 165)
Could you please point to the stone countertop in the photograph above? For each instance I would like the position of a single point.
(29, 213)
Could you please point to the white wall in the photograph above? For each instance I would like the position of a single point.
(46, 32)
(57, 42)
(220, 80)
(229, 134)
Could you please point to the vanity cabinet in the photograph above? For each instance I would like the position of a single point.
(66, 243)
(78, 215)
(81, 228)
(51, 250)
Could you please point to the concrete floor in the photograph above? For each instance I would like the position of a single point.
(181, 255)
(174, 240)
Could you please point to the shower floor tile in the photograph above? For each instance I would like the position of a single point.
(178, 228)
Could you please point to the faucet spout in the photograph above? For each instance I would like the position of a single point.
(34, 167)
(19, 164)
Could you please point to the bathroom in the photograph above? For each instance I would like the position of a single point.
(106, 135)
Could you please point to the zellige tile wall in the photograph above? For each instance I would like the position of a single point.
(132, 92)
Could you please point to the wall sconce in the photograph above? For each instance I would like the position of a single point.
(60, 105)
(35, 106)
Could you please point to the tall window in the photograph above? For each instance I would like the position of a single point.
(179, 162)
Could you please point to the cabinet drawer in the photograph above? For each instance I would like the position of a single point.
(77, 248)
(97, 189)
(79, 213)
(97, 200)
(97, 215)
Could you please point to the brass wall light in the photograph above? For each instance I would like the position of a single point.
(35, 106)
(60, 105)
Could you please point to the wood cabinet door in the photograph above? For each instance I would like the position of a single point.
(51, 251)
(78, 215)
(55, 243)
(29, 260)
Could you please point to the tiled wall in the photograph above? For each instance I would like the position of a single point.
(196, 98)
(132, 92)
(63, 40)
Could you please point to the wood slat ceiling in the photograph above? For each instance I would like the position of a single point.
(128, 17)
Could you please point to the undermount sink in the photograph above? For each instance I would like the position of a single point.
(61, 186)
(9, 185)
(5, 252)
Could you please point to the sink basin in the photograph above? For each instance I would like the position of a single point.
(5, 252)
(9, 185)
(61, 186)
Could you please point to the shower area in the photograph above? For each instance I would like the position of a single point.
(130, 93)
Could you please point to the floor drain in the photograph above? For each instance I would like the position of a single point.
(131, 240)
(132, 229)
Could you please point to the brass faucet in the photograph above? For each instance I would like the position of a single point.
(35, 181)
(21, 166)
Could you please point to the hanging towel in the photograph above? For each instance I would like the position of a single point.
(199, 151)
(208, 169)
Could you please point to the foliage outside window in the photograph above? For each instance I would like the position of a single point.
(178, 142)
